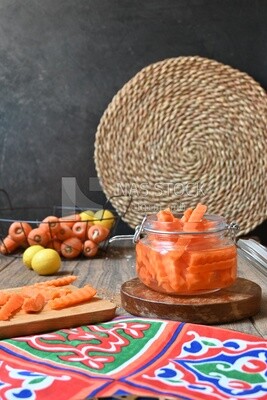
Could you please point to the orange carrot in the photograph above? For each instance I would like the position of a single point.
(187, 214)
(98, 233)
(50, 224)
(12, 305)
(65, 280)
(38, 236)
(34, 304)
(80, 229)
(198, 213)
(48, 292)
(65, 232)
(165, 215)
(90, 248)
(76, 297)
(70, 220)
(71, 247)
(19, 231)
(8, 245)
(54, 244)
(3, 298)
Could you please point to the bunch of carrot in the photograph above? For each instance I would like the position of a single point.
(185, 263)
(69, 236)
(56, 294)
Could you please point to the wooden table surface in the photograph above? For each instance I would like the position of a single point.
(117, 265)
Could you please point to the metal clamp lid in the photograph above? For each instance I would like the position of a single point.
(139, 230)
(233, 228)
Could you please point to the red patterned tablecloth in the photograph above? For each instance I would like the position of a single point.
(137, 356)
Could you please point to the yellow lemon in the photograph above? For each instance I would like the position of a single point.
(87, 215)
(104, 218)
(46, 262)
(29, 253)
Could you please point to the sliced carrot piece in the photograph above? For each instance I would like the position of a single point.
(65, 280)
(215, 266)
(19, 231)
(198, 213)
(187, 214)
(76, 297)
(165, 215)
(97, 233)
(34, 304)
(209, 256)
(8, 245)
(12, 305)
(3, 298)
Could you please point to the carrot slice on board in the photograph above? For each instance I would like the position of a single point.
(34, 304)
(12, 305)
(76, 297)
(65, 280)
(3, 298)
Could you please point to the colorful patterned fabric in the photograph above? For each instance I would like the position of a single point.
(134, 356)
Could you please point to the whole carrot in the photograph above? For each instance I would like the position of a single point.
(8, 245)
(38, 236)
(19, 231)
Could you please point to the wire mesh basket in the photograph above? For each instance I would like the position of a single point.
(17, 225)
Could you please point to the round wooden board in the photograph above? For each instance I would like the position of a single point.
(241, 300)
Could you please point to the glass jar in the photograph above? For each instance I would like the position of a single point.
(187, 262)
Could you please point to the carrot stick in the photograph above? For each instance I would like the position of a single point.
(187, 214)
(12, 305)
(34, 304)
(76, 297)
(198, 213)
(65, 280)
(3, 298)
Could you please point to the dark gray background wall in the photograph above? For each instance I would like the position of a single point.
(62, 61)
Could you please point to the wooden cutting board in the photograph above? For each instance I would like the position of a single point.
(240, 300)
(93, 311)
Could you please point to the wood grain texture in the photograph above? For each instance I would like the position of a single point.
(107, 272)
(21, 324)
(241, 300)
